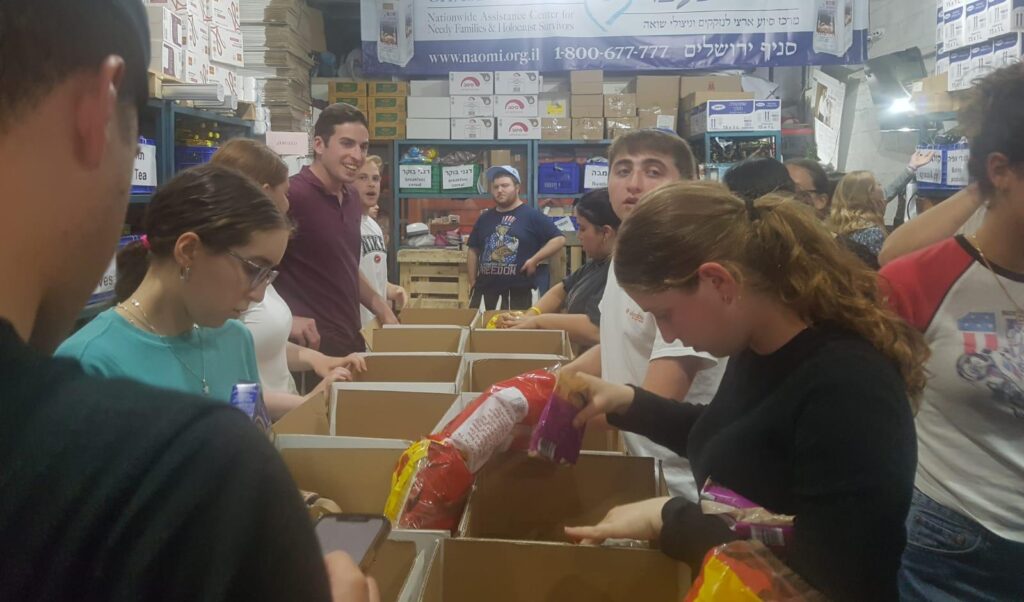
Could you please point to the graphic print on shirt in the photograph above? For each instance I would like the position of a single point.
(373, 243)
(501, 251)
(991, 362)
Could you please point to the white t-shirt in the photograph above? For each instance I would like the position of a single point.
(270, 322)
(374, 262)
(630, 340)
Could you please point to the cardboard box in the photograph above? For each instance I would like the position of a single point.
(960, 75)
(497, 157)
(396, 36)
(519, 498)
(388, 132)
(619, 105)
(472, 106)
(310, 418)
(360, 102)
(165, 26)
(422, 372)
(698, 98)
(393, 568)
(736, 115)
(516, 106)
(479, 374)
(388, 103)
(981, 60)
(709, 83)
(430, 107)
(517, 82)
(428, 87)
(387, 118)
(556, 129)
(197, 34)
(428, 129)
(555, 106)
(518, 342)
(227, 77)
(226, 47)
(388, 414)
(1006, 50)
(930, 96)
(1004, 16)
(588, 128)
(471, 570)
(590, 105)
(442, 317)
(653, 118)
(346, 87)
(659, 93)
(954, 34)
(518, 128)
(618, 126)
(443, 339)
(976, 29)
(226, 14)
(400, 89)
(471, 83)
(473, 128)
(587, 82)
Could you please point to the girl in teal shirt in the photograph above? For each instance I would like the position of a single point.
(212, 241)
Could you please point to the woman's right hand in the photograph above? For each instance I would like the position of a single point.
(602, 398)
(335, 375)
(509, 320)
(304, 333)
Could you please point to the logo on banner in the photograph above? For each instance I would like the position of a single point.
(604, 13)
(718, 107)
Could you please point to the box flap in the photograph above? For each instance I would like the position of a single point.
(389, 414)
(480, 374)
(310, 418)
(410, 368)
(392, 568)
(511, 342)
(358, 480)
(446, 339)
(440, 317)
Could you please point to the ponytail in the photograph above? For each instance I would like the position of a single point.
(775, 247)
(132, 265)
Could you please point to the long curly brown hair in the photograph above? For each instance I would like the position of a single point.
(783, 252)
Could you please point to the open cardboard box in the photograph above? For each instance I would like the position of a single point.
(518, 342)
(439, 317)
(516, 497)
(310, 418)
(421, 372)
(471, 570)
(388, 414)
(480, 373)
(440, 339)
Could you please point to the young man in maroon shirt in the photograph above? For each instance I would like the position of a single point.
(320, 278)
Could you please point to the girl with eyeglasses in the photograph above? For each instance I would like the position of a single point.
(212, 242)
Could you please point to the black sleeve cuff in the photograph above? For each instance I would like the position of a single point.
(687, 534)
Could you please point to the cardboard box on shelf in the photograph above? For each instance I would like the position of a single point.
(430, 107)
(387, 103)
(518, 128)
(446, 317)
(481, 373)
(472, 106)
(658, 92)
(471, 83)
(428, 87)
(197, 68)
(226, 47)
(587, 82)
(406, 415)
(556, 129)
(1006, 50)
(497, 157)
(226, 14)
(400, 89)
(360, 102)
(428, 129)
(473, 128)
(976, 27)
(555, 106)
(446, 339)
(388, 132)
(516, 106)
(422, 372)
(165, 26)
(463, 570)
(1004, 16)
(736, 115)
(709, 83)
(587, 105)
(392, 118)
(698, 98)
(588, 128)
(654, 118)
(227, 77)
(347, 87)
(617, 126)
(517, 82)
(517, 342)
(619, 105)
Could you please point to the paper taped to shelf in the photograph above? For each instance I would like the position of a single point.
(145, 166)
(595, 176)
(415, 176)
(294, 144)
(457, 176)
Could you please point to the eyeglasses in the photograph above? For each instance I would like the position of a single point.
(259, 275)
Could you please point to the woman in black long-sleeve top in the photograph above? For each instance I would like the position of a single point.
(813, 417)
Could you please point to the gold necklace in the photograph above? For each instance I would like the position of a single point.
(163, 339)
(977, 245)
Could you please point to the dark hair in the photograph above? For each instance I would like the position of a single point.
(656, 141)
(754, 178)
(254, 159)
(334, 115)
(596, 207)
(818, 175)
(222, 206)
(993, 120)
(44, 42)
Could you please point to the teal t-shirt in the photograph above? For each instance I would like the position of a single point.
(110, 346)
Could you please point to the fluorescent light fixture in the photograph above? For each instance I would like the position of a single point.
(901, 105)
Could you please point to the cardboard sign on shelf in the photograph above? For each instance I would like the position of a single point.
(457, 176)
(595, 176)
(289, 144)
(415, 176)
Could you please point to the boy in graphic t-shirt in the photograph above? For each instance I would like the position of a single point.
(507, 244)
(373, 258)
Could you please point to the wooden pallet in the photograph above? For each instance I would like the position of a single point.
(435, 278)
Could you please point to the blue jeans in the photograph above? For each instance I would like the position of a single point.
(950, 557)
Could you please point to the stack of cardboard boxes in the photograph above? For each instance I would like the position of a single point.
(587, 104)
(383, 103)
(975, 37)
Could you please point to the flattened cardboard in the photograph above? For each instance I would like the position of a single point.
(388, 414)
(423, 372)
(444, 339)
(528, 499)
(480, 374)
(440, 317)
(471, 570)
(518, 342)
(310, 418)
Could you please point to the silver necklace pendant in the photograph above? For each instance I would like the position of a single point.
(206, 388)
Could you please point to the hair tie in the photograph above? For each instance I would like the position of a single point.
(752, 211)
(145, 243)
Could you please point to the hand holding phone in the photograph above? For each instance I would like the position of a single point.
(348, 584)
(358, 535)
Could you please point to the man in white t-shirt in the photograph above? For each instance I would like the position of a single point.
(633, 350)
(373, 261)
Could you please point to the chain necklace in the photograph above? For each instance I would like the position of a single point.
(977, 245)
(148, 325)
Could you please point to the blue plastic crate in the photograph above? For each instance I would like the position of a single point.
(193, 155)
(558, 178)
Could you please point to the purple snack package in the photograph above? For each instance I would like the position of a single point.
(746, 518)
(554, 437)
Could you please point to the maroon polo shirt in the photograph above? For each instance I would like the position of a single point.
(320, 271)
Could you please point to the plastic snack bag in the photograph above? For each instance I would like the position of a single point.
(746, 518)
(554, 437)
(747, 571)
(429, 487)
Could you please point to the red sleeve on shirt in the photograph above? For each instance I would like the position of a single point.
(915, 285)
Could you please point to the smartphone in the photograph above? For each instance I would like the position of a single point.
(358, 535)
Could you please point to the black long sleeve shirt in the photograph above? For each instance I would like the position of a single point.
(821, 429)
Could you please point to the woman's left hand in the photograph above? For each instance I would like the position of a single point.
(324, 365)
(532, 323)
(639, 520)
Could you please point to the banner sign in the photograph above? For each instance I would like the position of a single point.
(434, 37)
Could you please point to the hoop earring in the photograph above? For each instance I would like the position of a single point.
(186, 274)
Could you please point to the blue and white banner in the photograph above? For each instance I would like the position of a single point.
(434, 37)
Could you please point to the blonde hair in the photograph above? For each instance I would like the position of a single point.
(853, 205)
(775, 246)
(254, 159)
(376, 160)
